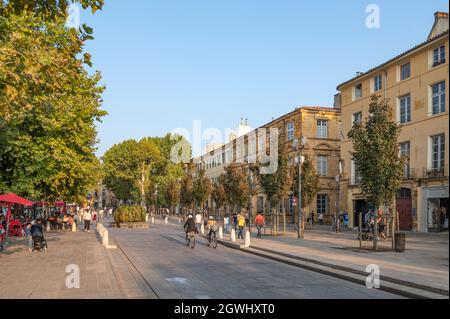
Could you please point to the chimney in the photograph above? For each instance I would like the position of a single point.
(440, 24)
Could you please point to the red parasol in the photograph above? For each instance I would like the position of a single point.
(14, 199)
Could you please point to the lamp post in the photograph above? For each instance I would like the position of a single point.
(179, 196)
(299, 146)
(338, 199)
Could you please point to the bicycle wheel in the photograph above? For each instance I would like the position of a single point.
(192, 242)
(214, 241)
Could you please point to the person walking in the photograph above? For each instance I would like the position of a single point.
(312, 217)
(320, 218)
(226, 223)
(259, 223)
(198, 221)
(235, 221)
(241, 225)
(87, 221)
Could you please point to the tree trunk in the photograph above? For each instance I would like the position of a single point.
(375, 229)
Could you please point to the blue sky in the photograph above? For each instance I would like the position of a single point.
(166, 63)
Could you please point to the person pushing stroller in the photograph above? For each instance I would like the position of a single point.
(37, 234)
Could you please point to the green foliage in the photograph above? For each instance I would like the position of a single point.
(218, 192)
(136, 169)
(236, 185)
(50, 9)
(49, 106)
(128, 167)
(129, 214)
(310, 181)
(201, 187)
(376, 154)
(186, 192)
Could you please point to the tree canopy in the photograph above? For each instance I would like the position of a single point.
(376, 154)
(49, 105)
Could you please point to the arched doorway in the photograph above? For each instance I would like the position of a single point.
(404, 208)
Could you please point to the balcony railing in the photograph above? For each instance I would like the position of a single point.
(435, 172)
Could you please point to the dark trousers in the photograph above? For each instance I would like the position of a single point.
(259, 227)
(241, 232)
(87, 225)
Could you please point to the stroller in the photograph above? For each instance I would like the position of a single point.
(366, 232)
(39, 243)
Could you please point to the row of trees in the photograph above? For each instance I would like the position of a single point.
(234, 188)
(49, 103)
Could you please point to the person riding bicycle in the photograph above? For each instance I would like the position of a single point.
(212, 226)
(190, 225)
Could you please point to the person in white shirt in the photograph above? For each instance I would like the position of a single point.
(198, 221)
(87, 220)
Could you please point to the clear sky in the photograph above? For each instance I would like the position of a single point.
(166, 63)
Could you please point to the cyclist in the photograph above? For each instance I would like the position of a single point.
(190, 225)
(212, 226)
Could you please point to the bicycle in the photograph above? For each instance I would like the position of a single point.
(212, 240)
(190, 239)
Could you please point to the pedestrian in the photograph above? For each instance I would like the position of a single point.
(30, 239)
(198, 221)
(241, 225)
(381, 225)
(94, 216)
(320, 218)
(81, 218)
(226, 223)
(259, 223)
(87, 221)
(235, 221)
(312, 217)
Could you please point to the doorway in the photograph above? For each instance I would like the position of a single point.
(404, 208)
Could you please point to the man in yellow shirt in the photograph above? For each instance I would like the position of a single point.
(241, 225)
(212, 226)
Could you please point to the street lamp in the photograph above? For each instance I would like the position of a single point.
(298, 146)
(338, 199)
(250, 190)
(179, 196)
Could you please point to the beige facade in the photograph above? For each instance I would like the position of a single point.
(101, 197)
(416, 83)
(320, 125)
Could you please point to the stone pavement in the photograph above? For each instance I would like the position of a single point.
(425, 261)
(103, 273)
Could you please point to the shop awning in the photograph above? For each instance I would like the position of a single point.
(14, 199)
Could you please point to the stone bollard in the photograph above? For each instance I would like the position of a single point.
(247, 239)
(105, 238)
(146, 218)
(48, 226)
(153, 220)
(220, 233)
(202, 229)
(233, 235)
(74, 227)
(179, 221)
(166, 220)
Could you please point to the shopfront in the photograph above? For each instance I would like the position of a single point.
(435, 205)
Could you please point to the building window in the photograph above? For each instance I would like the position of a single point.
(378, 83)
(357, 93)
(322, 204)
(357, 118)
(437, 152)
(405, 71)
(438, 97)
(261, 144)
(355, 175)
(405, 109)
(439, 56)
(405, 149)
(290, 131)
(322, 128)
(322, 165)
(260, 205)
